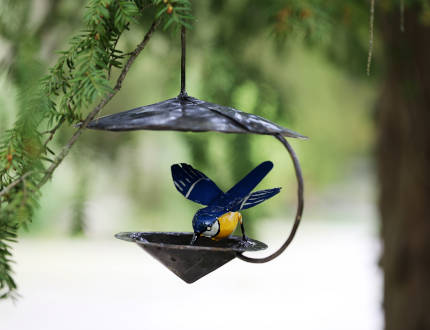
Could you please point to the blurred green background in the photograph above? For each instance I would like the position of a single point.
(304, 69)
(235, 58)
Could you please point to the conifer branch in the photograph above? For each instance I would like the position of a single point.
(101, 105)
(80, 76)
(53, 131)
(5, 190)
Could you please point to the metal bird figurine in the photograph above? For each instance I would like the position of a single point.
(221, 215)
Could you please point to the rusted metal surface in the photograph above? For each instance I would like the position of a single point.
(190, 262)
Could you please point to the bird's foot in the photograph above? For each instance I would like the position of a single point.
(245, 241)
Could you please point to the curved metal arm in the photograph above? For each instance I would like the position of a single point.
(299, 207)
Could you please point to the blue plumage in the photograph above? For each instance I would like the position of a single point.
(194, 185)
(250, 181)
(221, 215)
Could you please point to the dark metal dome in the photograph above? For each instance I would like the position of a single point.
(186, 113)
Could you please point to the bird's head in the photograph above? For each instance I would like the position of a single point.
(205, 223)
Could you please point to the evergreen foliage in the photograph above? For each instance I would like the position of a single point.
(80, 76)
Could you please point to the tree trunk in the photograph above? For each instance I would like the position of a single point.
(404, 172)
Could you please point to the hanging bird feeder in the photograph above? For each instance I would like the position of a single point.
(189, 114)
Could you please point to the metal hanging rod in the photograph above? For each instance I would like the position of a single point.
(183, 93)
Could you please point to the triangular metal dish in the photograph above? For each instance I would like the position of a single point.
(190, 262)
(186, 113)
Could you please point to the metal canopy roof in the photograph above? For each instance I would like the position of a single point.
(186, 113)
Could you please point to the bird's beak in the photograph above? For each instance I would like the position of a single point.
(195, 237)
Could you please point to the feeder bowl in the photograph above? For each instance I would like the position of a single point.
(190, 262)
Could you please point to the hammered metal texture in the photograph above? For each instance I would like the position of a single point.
(186, 113)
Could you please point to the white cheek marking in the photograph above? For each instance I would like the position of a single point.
(214, 230)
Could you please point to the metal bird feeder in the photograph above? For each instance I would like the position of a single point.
(186, 113)
(190, 262)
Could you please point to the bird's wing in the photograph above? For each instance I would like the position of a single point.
(244, 187)
(194, 185)
(255, 198)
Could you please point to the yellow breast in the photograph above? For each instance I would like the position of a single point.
(227, 224)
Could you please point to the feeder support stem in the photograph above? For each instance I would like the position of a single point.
(183, 93)
(299, 211)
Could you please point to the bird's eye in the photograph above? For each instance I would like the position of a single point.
(208, 228)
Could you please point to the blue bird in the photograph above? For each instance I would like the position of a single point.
(221, 215)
